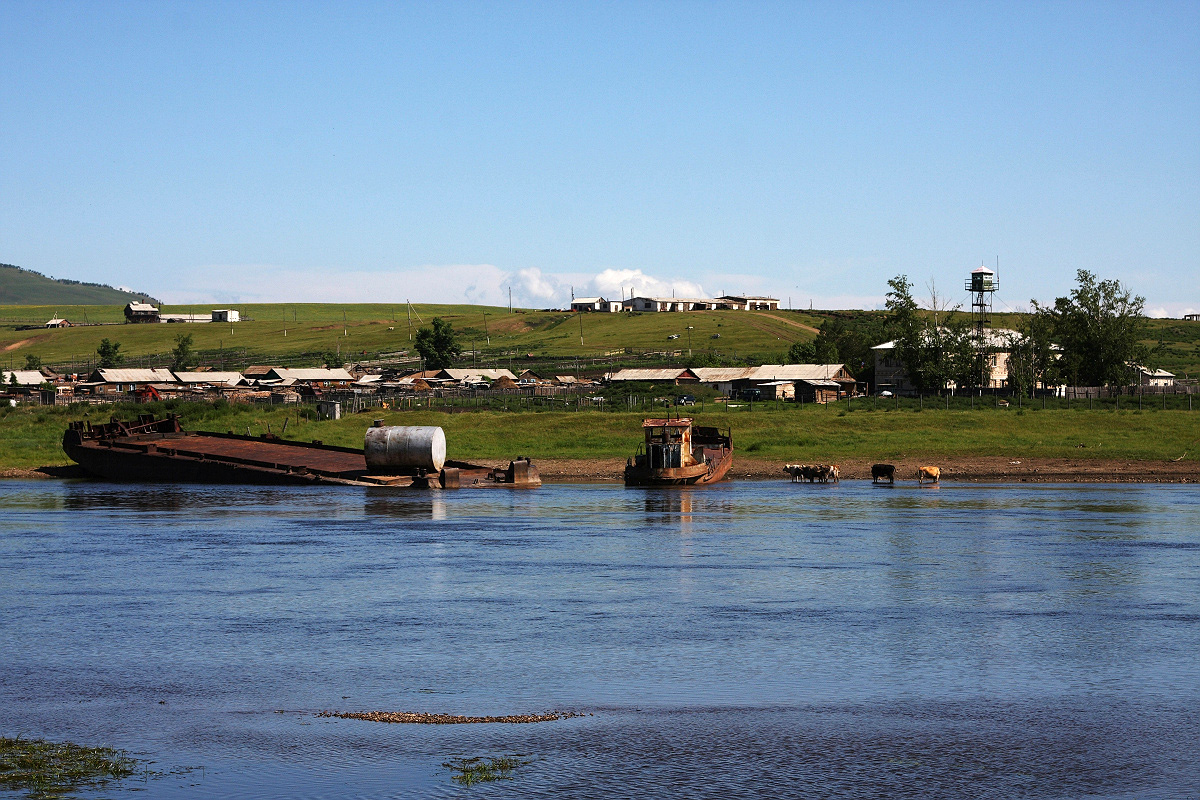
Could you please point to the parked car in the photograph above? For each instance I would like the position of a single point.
(751, 394)
(685, 400)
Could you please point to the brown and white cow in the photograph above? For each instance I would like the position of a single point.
(795, 470)
(933, 474)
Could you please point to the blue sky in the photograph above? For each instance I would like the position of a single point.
(343, 152)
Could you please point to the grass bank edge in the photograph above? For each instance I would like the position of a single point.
(30, 437)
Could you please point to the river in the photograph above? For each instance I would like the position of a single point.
(765, 639)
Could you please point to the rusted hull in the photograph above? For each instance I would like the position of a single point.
(173, 456)
(715, 470)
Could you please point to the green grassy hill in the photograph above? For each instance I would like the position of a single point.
(276, 333)
(296, 334)
(22, 287)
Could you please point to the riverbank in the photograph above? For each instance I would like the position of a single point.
(973, 470)
(980, 445)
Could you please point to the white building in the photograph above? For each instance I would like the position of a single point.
(226, 315)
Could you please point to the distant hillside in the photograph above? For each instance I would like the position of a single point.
(23, 287)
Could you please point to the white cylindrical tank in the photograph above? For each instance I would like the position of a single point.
(406, 447)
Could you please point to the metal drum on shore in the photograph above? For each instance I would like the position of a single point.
(406, 448)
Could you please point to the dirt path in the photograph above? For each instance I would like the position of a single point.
(790, 322)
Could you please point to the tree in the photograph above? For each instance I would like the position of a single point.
(182, 356)
(33, 362)
(802, 353)
(1099, 328)
(110, 354)
(438, 345)
(1032, 355)
(933, 352)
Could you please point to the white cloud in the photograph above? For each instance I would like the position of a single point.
(533, 284)
(611, 283)
(483, 284)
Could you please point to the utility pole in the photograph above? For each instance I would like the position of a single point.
(485, 330)
(510, 299)
(689, 330)
(408, 306)
(580, 313)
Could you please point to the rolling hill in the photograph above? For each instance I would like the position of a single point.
(23, 287)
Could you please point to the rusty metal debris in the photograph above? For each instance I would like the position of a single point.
(159, 450)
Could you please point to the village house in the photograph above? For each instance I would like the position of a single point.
(595, 304)
(313, 377)
(890, 374)
(677, 376)
(750, 303)
(24, 377)
(1145, 376)
(141, 312)
(112, 380)
(58, 322)
(217, 379)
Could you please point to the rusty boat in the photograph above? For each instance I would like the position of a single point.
(675, 453)
(160, 451)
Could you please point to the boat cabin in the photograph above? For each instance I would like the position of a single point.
(668, 443)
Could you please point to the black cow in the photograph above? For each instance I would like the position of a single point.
(882, 471)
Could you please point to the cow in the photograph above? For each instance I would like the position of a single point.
(835, 473)
(934, 474)
(881, 471)
(795, 470)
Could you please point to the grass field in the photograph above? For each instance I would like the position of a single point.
(367, 331)
(298, 333)
(30, 436)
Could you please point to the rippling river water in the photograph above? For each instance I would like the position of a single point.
(747, 639)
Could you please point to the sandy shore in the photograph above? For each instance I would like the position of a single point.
(985, 469)
(980, 470)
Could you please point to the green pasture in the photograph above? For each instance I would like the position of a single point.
(30, 436)
(367, 331)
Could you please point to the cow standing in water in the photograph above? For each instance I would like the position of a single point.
(881, 471)
(933, 474)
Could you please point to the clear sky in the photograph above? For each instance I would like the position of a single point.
(354, 151)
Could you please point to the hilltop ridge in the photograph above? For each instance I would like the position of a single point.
(24, 287)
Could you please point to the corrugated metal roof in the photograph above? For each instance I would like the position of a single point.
(995, 337)
(649, 374)
(25, 377)
(227, 378)
(141, 307)
(720, 374)
(136, 375)
(313, 374)
(795, 372)
(490, 374)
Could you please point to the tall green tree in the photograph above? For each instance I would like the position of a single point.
(33, 362)
(1099, 327)
(182, 356)
(438, 345)
(110, 354)
(919, 345)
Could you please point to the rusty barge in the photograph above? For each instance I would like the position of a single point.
(160, 451)
(678, 454)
